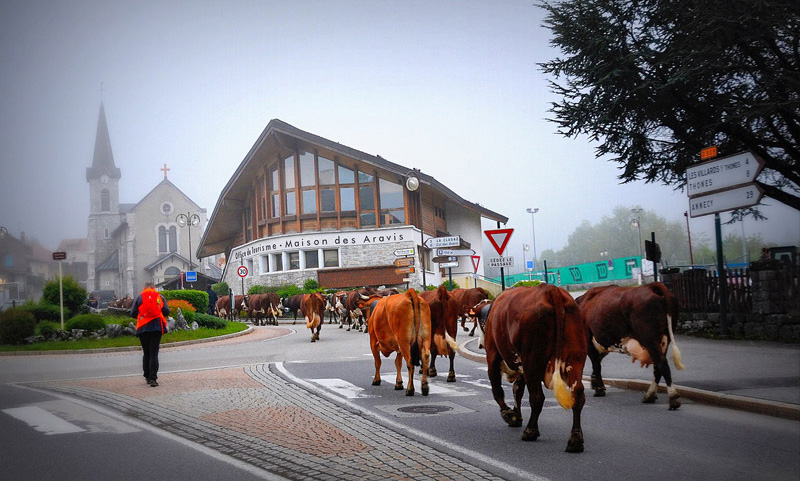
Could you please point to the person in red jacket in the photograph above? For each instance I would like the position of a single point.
(150, 310)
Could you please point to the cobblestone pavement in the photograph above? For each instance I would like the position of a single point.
(254, 415)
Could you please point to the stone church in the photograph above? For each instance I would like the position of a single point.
(131, 244)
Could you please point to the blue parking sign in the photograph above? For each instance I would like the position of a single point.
(191, 276)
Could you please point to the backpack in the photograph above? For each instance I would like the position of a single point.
(151, 304)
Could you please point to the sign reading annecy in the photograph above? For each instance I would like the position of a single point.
(325, 240)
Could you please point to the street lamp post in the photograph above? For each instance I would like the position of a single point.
(637, 224)
(413, 184)
(533, 211)
(189, 219)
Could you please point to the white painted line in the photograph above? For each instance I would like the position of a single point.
(43, 421)
(343, 388)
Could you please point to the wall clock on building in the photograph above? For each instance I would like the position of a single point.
(104, 179)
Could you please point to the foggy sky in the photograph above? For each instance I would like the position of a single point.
(450, 87)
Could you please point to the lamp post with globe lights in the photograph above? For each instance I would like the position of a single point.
(188, 220)
(533, 211)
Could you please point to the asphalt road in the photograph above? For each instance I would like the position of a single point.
(623, 436)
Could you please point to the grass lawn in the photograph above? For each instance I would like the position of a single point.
(177, 336)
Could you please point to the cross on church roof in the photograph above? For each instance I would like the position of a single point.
(164, 169)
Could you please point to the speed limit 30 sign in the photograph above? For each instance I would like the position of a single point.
(242, 271)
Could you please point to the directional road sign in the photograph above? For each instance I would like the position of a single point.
(722, 173)
(404, 261)
(449, 264)
(499, 239)
(454, 252)
(404, 252)
(722, 201)
(501, 262)
(449, 241)
(404, 270)
(440, 259)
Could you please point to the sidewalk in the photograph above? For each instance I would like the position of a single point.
(756, 376)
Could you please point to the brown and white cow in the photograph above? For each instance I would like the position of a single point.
(468, 298)
(313, 307)
(265, 308)
(445, 310)
(401, 324)
(534, 335)
(636, 321)
(223, 308)
(354, 314)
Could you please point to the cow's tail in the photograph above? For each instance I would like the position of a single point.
(559, 387)
(416, 356)
(673, 311)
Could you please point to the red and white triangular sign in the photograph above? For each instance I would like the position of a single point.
(475, 261)
(499, 239)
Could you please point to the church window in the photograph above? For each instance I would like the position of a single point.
(105, 200)
(162, 239)
(172, 272)
(105, 234)
(173, 239)
(391, 200)
(166, 208)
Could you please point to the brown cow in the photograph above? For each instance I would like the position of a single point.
(534, 335)
(313, 307)
(468, 298)
(223, 308)
(265, 308)
(402, 324)
(353, 312)
(636, 321)
(444, 326)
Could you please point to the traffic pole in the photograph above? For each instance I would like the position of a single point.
(61, 293)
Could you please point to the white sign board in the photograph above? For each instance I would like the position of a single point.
(501, 261)
(722, 173)
(449, 241)
(448, 264)
(404, 252)
(725, 200)
(455, 252)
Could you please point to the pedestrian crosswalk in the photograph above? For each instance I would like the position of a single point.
(65, 417)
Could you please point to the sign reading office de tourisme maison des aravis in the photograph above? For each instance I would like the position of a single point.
(326, 240)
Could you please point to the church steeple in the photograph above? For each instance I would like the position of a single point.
(103, 161)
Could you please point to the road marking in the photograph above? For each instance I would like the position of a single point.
(42, 420)
(343, 388)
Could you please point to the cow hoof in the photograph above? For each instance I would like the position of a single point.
(376, 382)
(432, 372)
(451, 377)
(674, 403)
(424, 389)
(398, 386)
(312, 339)
(340, 326)
(511, 418)
(295, 322)
(575, 443)
(530, 434)
(649, 398)
(471, 334)
(465, 329)
(600, 392)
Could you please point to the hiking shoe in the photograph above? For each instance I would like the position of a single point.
(152, 383)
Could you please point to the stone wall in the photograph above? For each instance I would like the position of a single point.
(773, 327)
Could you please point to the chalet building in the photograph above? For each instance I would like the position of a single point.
(301, 207)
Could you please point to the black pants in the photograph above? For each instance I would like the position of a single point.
(150, 342)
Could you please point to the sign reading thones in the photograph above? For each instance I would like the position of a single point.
(738, 198)
(722, 173)
(499, 239)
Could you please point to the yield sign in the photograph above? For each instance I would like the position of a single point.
(499, 239)
(475, 261)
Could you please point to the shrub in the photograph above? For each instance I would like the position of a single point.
(450, 285)
(310, 285)
(221, 288)
(258, 289)
(48, 329)
(175, 304)
(15, 325)
(44, 311)
(526, 283)
(288, 290)
(198, 299)
(212, 322)
(88, 322)
(74, 295)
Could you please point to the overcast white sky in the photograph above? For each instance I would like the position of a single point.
(450, 87)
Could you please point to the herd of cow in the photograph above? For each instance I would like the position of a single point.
(533, 336)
